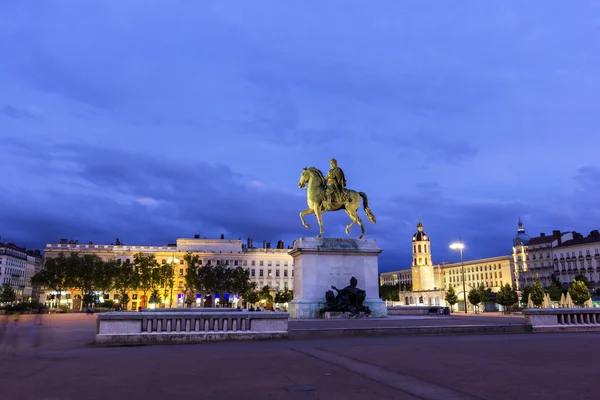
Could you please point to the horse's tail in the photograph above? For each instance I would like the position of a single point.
(368, 211)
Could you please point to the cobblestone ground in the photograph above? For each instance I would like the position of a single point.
(525, 366)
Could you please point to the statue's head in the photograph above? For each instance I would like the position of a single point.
(333, 162)
(303, 178)
(353, 282)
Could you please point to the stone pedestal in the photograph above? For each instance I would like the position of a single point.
(322, 263)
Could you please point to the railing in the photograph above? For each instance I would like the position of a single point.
(162, 327)
(563, 319)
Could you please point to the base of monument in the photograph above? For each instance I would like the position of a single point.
(311, 309)
(305, 309)
(377, 307)
(344, 315)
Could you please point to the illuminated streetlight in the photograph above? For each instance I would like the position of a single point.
(460, 246)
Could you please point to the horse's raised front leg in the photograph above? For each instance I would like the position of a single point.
(319, 214)
(306, 212)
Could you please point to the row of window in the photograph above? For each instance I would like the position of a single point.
(487, 283)
(458, 271)
(497, 274)
(418, 246)
(233, 262)
(13, 263)
(261, 273)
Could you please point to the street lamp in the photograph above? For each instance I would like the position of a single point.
(460, 246)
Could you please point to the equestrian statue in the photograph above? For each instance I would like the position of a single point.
(329, 193)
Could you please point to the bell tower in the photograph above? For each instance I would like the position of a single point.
(423, 277)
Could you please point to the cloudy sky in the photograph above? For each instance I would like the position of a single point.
(154, 120)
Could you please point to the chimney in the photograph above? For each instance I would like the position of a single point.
(280, 244)
(542, 234)
(557, 237)
(264, 244)
(222, 236)
(268, 245)
(249, 243)
(197, 236)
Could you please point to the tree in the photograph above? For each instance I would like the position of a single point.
(56, 275)
(525, 294)
(252, 297)
(389, 292)
(85, 274)
(284, 296)
(474, 297)
(104, 279)
(146, 267)
(239, 281)
(126, 280)
(191, 283)
(7, 294)
(484, 294)
(537, 293)
(555, 291)
(155, 297)
(264, 294)
(166, 279)
(507, 297)
(579, 292)
(451, 297)
(584, 279)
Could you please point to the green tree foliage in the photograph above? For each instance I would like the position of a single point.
(126, 280)
(451, 297)
(579, 292)
(7, 294)
(252, 297)
(284, 296)
(474, 297)
(584, 279)
(525, 294)
(537, 292)
(507, 297)
(155, 297)
(265, 294)
(57, 274)
(484, 294)
(389, 292)
(555, 291)
(147, 269)
(217, 279)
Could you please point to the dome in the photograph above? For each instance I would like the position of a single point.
(420, 236)
(522, 238)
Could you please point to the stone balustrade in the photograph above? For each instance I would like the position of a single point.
(563, 319)
(190, 326)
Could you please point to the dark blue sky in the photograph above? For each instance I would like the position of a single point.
(153, 120)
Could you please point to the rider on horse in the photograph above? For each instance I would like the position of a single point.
(336, 187)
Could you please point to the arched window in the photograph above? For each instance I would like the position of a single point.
(414, 248)
(425, 246)
(415, 260)
(420, 260)
(425, 261)
(419, 248)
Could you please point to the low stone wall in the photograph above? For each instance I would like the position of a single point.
(415, 310)
(192, 326)
(563, 319)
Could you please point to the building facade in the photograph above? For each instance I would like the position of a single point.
(574, 255)
(268, 266)
(561, 256)
(532, 257)
(492, 273)
(17, 266)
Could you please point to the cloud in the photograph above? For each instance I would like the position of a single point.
(150, 121)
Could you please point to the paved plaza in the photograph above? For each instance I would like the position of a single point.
(519, 366)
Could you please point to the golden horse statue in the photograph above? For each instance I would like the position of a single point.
(316, 198)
